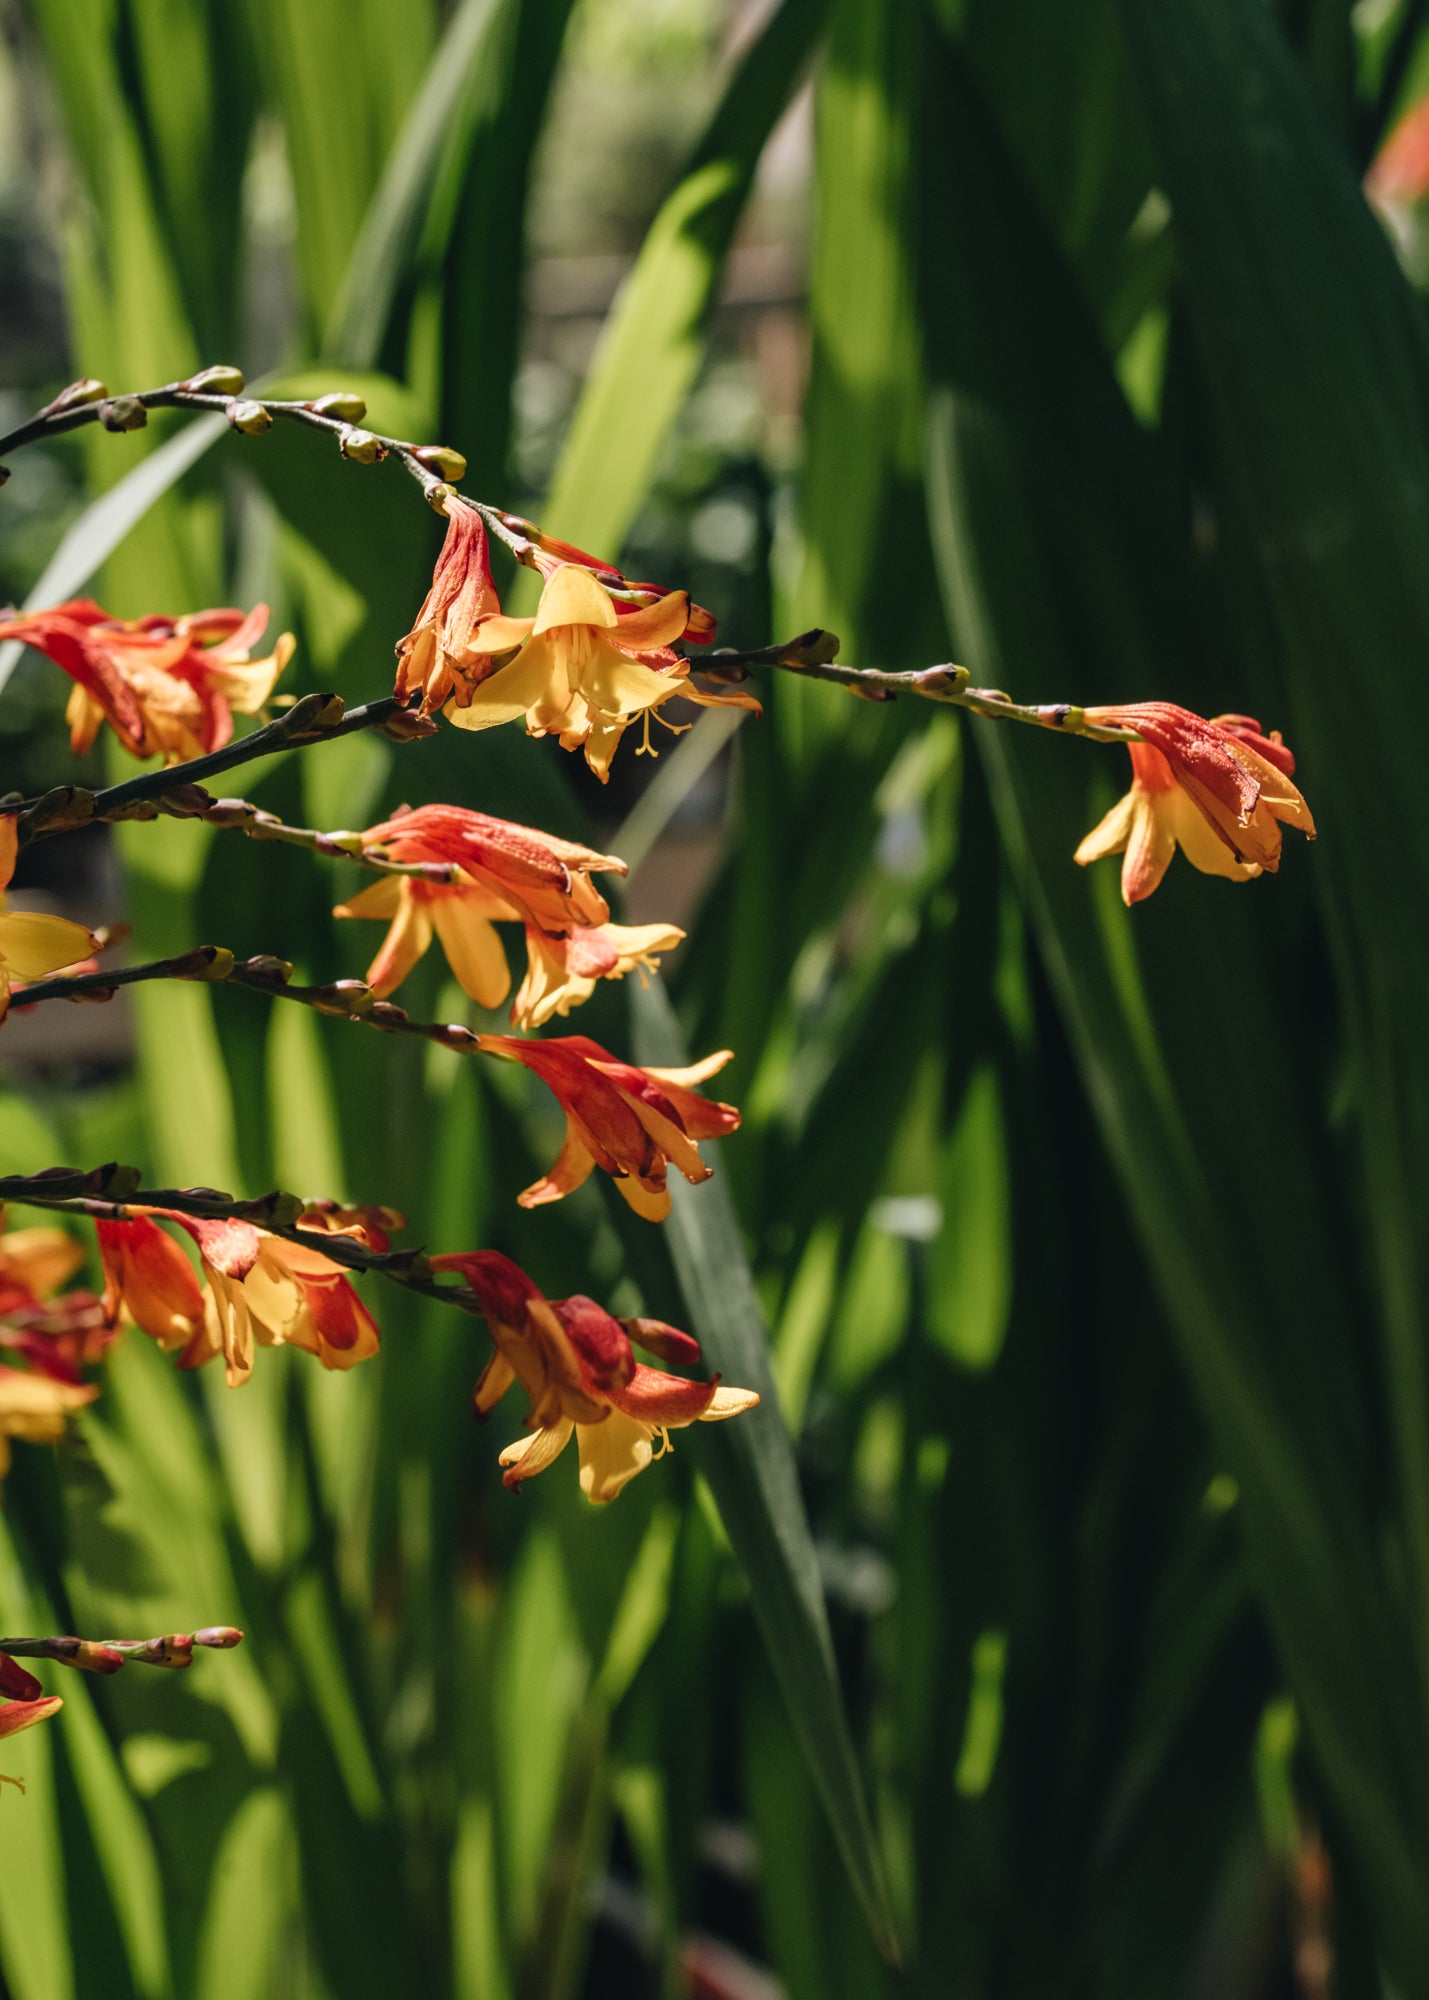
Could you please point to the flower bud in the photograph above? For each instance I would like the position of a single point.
(88, 391)
(220, 380)
(222, 1636)
(351, 409)
(92, 1657)
(249, 417)
(438, 496)
(123, 413)
(361, 446)
(441, 458)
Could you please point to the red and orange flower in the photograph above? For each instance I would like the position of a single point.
(1219, 790)
(259, 1290)
(168, 687)
(577, 1365)
(504, 873)
(632, 1123)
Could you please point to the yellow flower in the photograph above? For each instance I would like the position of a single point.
(584, 669)
(31, 944)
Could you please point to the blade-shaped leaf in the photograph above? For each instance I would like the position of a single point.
(653, 344)
(750, 1466)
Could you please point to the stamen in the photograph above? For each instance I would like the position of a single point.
(665, 1445)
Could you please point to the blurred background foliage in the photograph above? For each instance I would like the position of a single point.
(1059, 341)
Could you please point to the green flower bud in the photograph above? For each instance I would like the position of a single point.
(351, 409)
(360, 445)
(123, 413)
(248, 417)
(442, 459)
(438, 496)
(220, 380)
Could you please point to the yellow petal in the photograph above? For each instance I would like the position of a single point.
(612, 1454)
(381, 899)
(729, 1402)
(1110, 834)
(573, 597)
(510, 692)
(534, 1452)
(32, 945)
(617, 685)
(571, 1166)
(474, 950)
(499, 634)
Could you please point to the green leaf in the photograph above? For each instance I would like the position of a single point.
(1052, 529)
(750, 1465)
(461, 87)
(654, 341)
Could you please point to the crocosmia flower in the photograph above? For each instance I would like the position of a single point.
(632, 1123)
(169, 687)
(584, 669)
(1219, 790)
(577, 1365)
(562, 972)
(32, 944)
(505, 873)
(433, 658)
(36, 1407)
(260, 1290)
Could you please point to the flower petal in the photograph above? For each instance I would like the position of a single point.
(573, 597)
(612, 1454)
(474, 950)
(571, 1166)
(32, 944)
(533, 1453)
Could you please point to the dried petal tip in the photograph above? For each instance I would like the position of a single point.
(249, 417)
(123, 413)
(220, 380)
(360, 446)
(4, 475)
(221, 1637)
(442, 459)
(77, 394)
(351, 409)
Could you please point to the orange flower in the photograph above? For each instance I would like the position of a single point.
(561, 973)
(168, 686)
(632, 1123)
(36, 1408)
(32, 944)
(578, 1367)
(1217, 789)
(260, 1290)
(584, 669)
(505, 873)
(434, 658)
